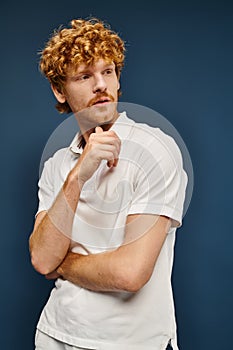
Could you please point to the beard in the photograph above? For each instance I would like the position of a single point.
(101, 114)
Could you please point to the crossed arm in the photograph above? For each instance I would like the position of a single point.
(126, 268)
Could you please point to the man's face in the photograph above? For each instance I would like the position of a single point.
(92, 93)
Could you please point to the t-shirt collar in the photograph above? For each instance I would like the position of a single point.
(123, 126)
(74, 146)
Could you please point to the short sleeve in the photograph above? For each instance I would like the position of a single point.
(46, 187)
(160, 181)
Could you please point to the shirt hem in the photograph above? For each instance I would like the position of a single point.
(98, 345)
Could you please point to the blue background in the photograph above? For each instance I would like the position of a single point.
(179, 63)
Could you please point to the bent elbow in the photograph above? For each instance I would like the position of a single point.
(35, 261)
(38, 265)
(40, 261)
(136, 284)
(133, 281)
(132, 286)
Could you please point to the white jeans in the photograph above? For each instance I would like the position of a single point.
(45, 342)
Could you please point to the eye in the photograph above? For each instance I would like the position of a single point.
(108, 71)
(84, 77)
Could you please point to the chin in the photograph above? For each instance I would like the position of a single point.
(97, 115)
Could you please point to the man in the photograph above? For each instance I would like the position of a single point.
(109, 208)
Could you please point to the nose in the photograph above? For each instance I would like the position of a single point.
(99, 84)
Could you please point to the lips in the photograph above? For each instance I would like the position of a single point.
(102, 100)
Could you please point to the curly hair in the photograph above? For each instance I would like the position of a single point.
(85, 42)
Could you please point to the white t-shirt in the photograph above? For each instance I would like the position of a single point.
(149, 179)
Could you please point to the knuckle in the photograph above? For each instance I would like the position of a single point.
(110, 155)
(91, 137)
(113, 134)
(118, 142)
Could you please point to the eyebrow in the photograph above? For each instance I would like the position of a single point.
(110, 65)
(74, 75)
(88, 69)
(84, 70)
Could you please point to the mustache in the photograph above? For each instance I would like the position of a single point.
(97, 98)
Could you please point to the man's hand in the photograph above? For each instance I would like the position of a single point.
(101, 145)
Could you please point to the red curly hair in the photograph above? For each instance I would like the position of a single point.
(85, 42)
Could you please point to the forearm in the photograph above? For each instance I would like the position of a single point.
(50, 239)
(103, 272)
(127, 268)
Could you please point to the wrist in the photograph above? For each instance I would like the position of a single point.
(75, 179)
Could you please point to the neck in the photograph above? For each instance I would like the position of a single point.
(86, 134)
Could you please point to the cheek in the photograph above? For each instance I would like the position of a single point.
(115, 87)
(76, 98)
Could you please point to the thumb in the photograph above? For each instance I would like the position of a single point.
(98, 130)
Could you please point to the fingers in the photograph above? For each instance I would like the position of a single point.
(109, 153)
(98, 130)
(112, 163)
(101, 145)
(111, 139)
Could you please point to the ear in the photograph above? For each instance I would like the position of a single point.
(58, 94)
(118, 85)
